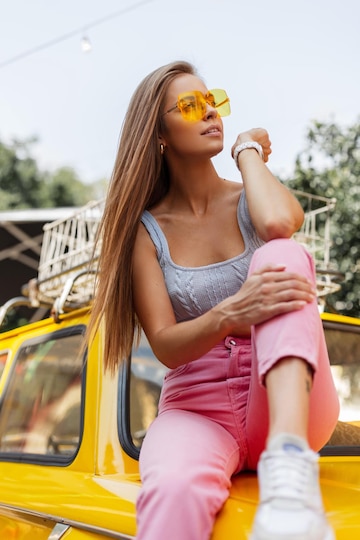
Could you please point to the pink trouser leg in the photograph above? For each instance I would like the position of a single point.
(297, 334)
(186, 476)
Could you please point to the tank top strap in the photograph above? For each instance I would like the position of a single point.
(157, 236)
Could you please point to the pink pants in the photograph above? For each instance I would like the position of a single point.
(213, 416)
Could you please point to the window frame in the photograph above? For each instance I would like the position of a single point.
(347, 450)
(123, 411)
(123, 404)
(5, 353)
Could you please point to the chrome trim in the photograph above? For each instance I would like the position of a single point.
(67, 522)
(58, 531)
(13, 302)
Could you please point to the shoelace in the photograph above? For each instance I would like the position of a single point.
(289, 474)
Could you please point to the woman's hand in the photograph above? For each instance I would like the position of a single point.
(258, 135)
(267, 293)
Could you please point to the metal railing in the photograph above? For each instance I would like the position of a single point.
(69, 254)
(315, 235)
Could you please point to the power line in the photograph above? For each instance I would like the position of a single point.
(71, 34)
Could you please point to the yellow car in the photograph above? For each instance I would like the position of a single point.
(70, 434)
(70, 437)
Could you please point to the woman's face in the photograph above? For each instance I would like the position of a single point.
(189, 140)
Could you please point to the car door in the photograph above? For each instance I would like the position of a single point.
(40, 424)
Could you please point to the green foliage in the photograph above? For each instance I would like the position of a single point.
(21, 183)
(24, 185)
(329, 167)
(65, 188)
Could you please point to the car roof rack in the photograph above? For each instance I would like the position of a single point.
(68, 262)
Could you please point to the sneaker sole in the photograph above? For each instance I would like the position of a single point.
(329, 535)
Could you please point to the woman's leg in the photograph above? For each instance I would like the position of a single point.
(285, 350)
(298, 406)
(186, 463)
(294, 377)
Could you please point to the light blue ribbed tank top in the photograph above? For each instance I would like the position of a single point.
(193, 291)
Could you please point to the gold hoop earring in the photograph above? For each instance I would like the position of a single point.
(162, 148)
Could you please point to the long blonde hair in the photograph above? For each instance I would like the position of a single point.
(139, 180)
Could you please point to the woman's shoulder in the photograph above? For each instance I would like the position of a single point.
(143, 239)
(234, 190)
(234, 185)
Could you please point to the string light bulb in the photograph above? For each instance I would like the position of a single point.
(85, 44)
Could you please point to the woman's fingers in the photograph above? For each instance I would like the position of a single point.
(277, 275)
(272, 291)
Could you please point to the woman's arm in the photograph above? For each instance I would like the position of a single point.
(265, 294)
(274, 211)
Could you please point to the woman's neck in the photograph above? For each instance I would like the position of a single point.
(192, 189)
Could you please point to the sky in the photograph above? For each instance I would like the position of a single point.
(283, 63)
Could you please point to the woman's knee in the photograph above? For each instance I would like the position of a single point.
(282, 251)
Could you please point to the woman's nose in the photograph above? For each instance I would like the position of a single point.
(211, 112)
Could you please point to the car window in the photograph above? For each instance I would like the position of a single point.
(146, 379)
(41, 403)
(343, 342)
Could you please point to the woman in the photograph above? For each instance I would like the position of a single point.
(227, 300)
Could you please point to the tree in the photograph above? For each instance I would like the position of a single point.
(65, 189)
(329, 167)
(24, 185)
(21, 182)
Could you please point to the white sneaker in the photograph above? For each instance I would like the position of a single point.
(290, 500)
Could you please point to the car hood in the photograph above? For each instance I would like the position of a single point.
(340, 485)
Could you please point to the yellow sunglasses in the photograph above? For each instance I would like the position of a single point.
(192, 105)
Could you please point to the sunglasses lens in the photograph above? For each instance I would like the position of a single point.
(219, 99)
(192, 106)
